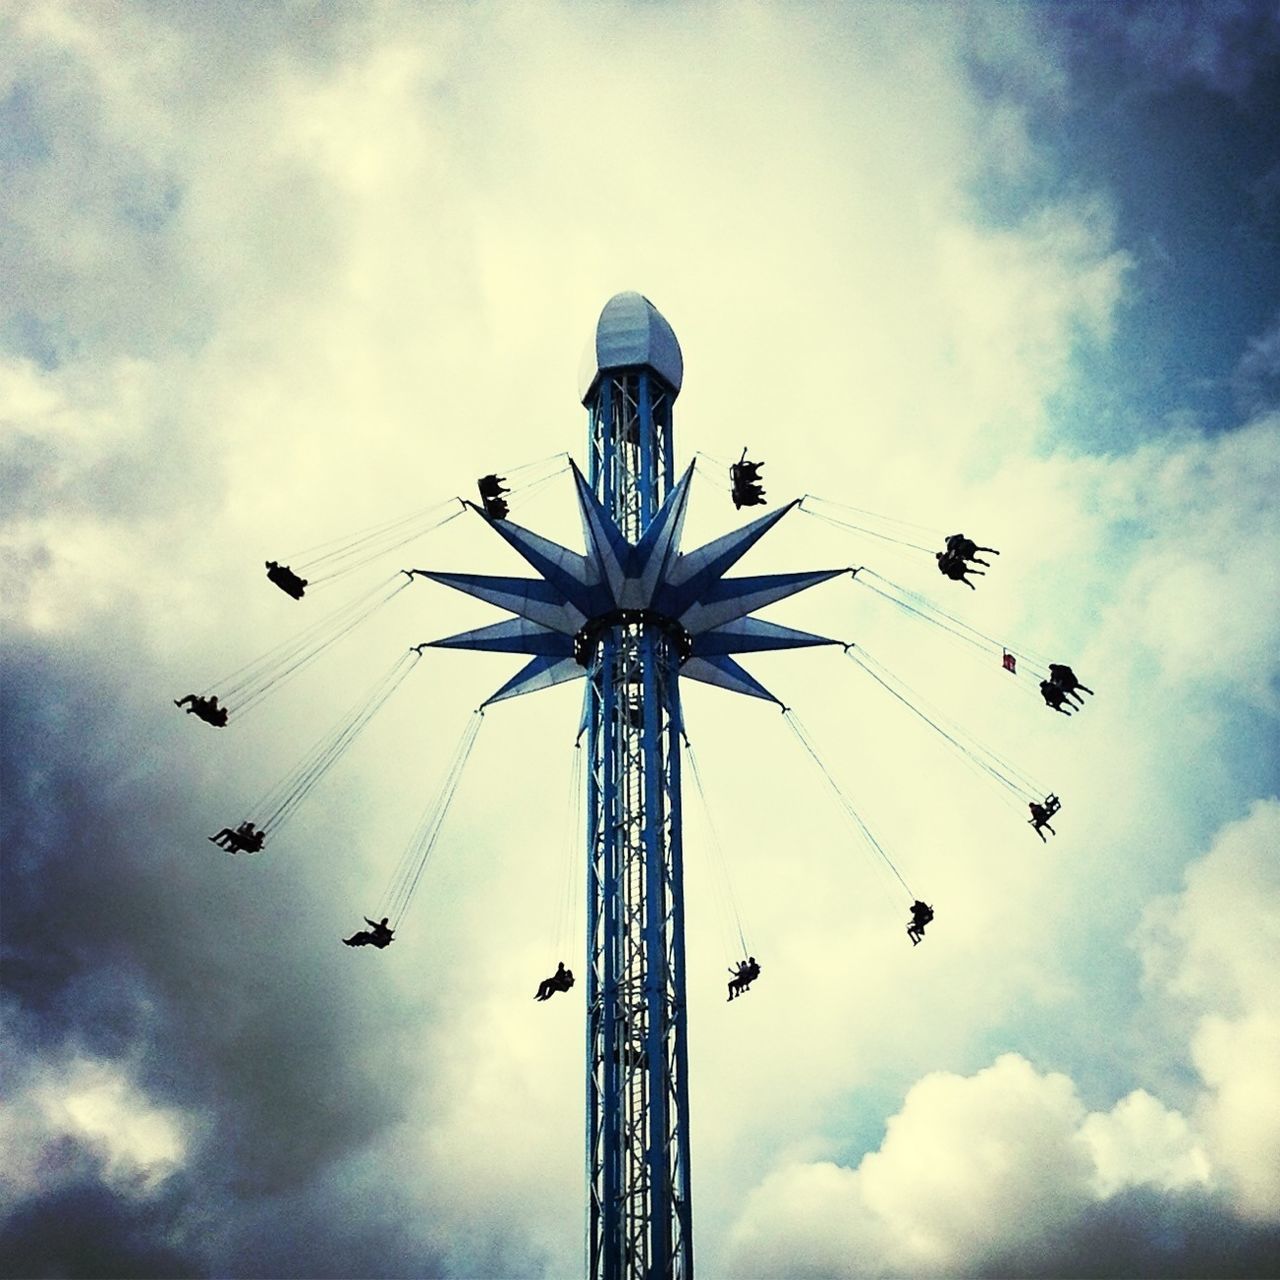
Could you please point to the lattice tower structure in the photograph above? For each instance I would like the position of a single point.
(639, 1205)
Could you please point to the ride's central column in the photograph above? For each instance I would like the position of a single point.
(640, 1216)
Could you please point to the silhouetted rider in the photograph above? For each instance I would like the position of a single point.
(286, 579)
(561, 980)
(746, 972)
(962, 548)
(244, 839)
(206, 709)
(1040, 819)
(1064, 678)
(376, 935)
(1054, 697)
(953, 567)
(921, 915)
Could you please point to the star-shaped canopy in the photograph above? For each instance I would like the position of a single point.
(688, 591)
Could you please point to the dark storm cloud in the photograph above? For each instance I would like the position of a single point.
(126, 940)
(83, 1228)
(113, 220)
(42, 476)
(1171, 112)
(1257, 376)
(107, 914)
(1221, 45)
(1148, 1233)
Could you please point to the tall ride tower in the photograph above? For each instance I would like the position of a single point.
(632, 617)
(637, 1061)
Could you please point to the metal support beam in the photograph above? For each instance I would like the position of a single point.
(640, 1217)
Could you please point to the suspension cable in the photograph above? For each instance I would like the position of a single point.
(711, 457)
(924, 608)
(803, 737)
(319, 552)
(1006, 774)
(856, 528)
(323, 562)
(875, 515)
(408, 873)
(523, 493)
(718, 861)
(248, 685)
(282, 801)
(364, 553)
(537, 462)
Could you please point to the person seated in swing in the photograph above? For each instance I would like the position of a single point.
(951, 566)
(746, 972)
(744, 477)
(1054, 696)
(921, 915)
(244, 839)
(1062, 677)
(376, 935)
(561, 980)
(286, 579)
(962, 548)
(206, 709)
(491, 491)
(1040, 814)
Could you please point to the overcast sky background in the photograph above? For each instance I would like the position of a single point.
(273, 271)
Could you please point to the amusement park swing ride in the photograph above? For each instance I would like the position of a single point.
(630, 617)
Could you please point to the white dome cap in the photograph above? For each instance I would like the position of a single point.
(631, 332)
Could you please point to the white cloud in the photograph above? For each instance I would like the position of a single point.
(970, 1168)
(992, 1164)
(1140, 1142)
(968, 1165)
(1211, 949)
(100, 1107)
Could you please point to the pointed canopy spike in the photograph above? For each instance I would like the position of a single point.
(572, 574)
(660, 546)
(540, 673)
(753, 635)
(726, 674)
(603, 538)
(530, 598)
(515, 635)
(692, 575)
(734, 598)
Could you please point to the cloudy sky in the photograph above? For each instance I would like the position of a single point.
(273, 272)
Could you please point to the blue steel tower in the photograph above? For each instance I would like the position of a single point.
(631, 617)
(641, 1217)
